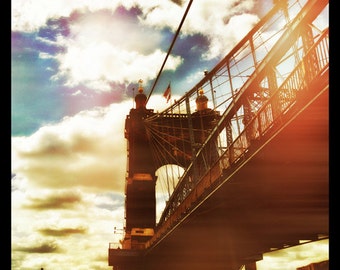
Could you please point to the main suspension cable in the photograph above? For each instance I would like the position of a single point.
(169, 51)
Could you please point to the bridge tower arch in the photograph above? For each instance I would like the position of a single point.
(140, 186)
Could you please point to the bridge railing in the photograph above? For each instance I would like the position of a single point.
(270, 116)
(239, 70)
(222, 86)
(223, 82)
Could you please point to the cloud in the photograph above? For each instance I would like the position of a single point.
(86, 150)
(70, 176)
(97, 51)
(295, 257)
(56, 200)
(31, 15)
(62, 231)
(47, 247)
(83, 151)
(64, 237)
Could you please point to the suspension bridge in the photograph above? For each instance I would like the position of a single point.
(251, 142)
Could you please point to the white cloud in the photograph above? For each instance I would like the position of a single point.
(29, 15)
(101, 49)
(68, 190)
(84, 150)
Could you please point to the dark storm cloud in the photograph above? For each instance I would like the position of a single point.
(54, 201)
(63, 232)
(47, 247)
(177, 2)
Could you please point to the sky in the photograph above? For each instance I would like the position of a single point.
(75, 67)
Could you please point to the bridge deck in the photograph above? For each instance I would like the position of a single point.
(279, 197)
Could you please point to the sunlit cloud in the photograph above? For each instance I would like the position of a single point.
(97, 51)
(70, 176)
(295, 257)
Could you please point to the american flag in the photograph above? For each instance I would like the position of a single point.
(167, 93)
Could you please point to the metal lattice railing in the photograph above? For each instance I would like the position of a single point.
(257, 101)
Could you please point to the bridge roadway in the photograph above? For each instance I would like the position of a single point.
(280, 196)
